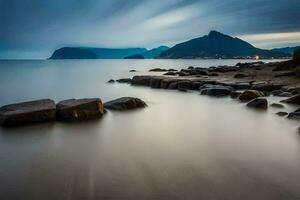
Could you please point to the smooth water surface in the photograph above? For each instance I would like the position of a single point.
(182, 146)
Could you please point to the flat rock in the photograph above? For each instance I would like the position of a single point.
(260, 103)
(277, 105)
(216, 90)
(248, 95)
(27, 112)
(281, 113)
(125, 103)
(266, 87)
(157, 70)
(124, 80)
(79, 109)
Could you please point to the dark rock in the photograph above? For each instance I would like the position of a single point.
(124, 80)
(183, 74)
(79, 109)
(281, 113)
(170, 74)
(295, 114)
(216, 90)
(125, 103)
(155, 82)
(277, 105)
(172, 70)
(141, 80)
(166, 82)
(173, 86)
(240, 75)
(190, 67)
(235, 94)
(27, 112)
(266, 86)
(260, 103)
(249, 95)
(196, 85)
(133, 70)
(293, 100)
(201, 72)
(240, 86)
(224, 69)
(285, 74)
(111, 81)
(157, 70)
(213, 74)
(184, 85)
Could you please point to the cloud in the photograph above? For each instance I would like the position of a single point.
(35, 28)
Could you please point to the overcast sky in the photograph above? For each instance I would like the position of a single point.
(34, 28)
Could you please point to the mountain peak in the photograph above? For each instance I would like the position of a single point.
(214, 33)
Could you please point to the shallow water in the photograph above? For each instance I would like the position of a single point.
(182, 146)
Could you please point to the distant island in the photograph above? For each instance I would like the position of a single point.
(215, 45)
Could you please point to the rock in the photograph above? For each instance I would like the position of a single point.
(201, 72)
(133, 70)
(240, 75)
(79, 109)
(155, 82)
(157, 70)
(190, 67)
(213, 74)
(281, 113)
(260, 103)
(266, 87)
(223, 69)
(277, 105)
(166, 82)
(295, 114)
(141, 80)
(248, 95)
(124, 80)
(235, 94)
(111, 81)
(216, 90)
(293, 100)
(289, 73)
(125, 103)
(27, 112)
(183, 74)
(240, 86)
(172, 70)
(196, 85)
(173, 86)
(170, 74)
(184, 85)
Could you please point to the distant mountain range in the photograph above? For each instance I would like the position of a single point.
(287, 50)
(218, 45)
(213, 45)
(105, 53)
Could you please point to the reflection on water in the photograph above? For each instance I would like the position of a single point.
(182, 146)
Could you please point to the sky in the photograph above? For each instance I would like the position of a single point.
(33, 29)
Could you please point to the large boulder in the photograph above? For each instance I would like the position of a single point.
(141, 80)
(125, 103)
(79, 109)
(293, 100)
(249, 95)
(27, 112)
(260, 103)
(295, 114)
(216, 90)
(266, 87)
(166, 82)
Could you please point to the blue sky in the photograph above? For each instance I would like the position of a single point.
(34, 28)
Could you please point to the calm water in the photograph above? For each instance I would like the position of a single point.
(182, 146)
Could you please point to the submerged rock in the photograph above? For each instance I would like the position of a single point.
(260, 103)
(293, 100)
(277, 105)
(281, 113)
(295, 114)
(27, 112)
(125, 103)
(249, 95)
(141, 80)
(79, 109)
(170, 73)
(111, 81)
(235, 94)
(157, 70)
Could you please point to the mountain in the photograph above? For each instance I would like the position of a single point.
(153, 53)
(73, 53)
(135, 56)
(94, 53)
(218, 45)
(287, 50)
